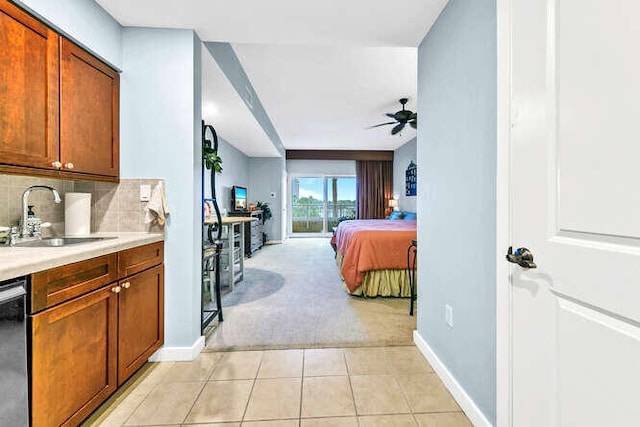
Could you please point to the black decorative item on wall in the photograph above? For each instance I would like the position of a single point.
(411, 176)
(211, 160)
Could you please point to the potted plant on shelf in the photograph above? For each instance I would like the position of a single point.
(266, 215)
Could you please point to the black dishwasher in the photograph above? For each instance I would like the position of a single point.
(14, 381)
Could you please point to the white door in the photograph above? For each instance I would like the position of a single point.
(575, 184)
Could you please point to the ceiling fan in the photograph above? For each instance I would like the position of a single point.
(401, 118)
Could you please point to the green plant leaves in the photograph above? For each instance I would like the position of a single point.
(211, 159)
(266, 210)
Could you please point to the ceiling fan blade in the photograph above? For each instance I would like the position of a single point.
(414, 124)
(413, 116)
(393, 116)
(397, 129)
(381, 124)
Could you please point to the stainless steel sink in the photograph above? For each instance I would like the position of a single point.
(59, 241)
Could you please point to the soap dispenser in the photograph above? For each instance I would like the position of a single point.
(33, 221)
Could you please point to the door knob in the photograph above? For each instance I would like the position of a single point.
(68, 165)
(116, 289)
(126, 285)
(56, 165)
(522, 256)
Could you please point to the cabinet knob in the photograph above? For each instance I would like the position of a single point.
(126, 285)
(116, 289)
(56, 165)
(68, 165)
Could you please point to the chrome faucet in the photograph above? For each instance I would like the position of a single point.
(29, 228)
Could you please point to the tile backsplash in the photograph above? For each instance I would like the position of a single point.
(11, 189)
(114, 207)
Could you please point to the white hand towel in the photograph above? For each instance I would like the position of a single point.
(157, 209)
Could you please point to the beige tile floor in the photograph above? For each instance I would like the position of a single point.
(366, 387)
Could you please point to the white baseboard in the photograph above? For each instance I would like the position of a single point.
(178, 354)
(273, 242)
(469, 407)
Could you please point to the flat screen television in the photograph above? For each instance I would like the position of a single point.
(239, 198)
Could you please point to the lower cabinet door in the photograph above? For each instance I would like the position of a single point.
(73, 365)
(141, 320)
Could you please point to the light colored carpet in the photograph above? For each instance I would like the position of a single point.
(292, 297)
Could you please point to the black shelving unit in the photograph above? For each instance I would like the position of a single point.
(210, 289)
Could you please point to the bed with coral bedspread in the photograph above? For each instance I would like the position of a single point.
(372, 256)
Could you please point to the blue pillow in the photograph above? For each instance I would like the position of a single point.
(409, 215)
(396, 215)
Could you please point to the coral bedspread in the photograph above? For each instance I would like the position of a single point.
(372, 244)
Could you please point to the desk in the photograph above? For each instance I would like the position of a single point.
(232, 256)
(253, 231)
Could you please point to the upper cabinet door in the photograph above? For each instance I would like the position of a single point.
(29, 84)
(89, 111)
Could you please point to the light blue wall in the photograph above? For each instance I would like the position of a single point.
(265, 176)
(402, 156)
(160, 138)
(235, 171)
(83, 21)
(457, 195)
(230, 65)
(190, 322)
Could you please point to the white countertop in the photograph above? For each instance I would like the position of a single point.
(20, 261)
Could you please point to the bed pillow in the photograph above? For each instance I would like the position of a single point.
(409, 215)
(396, 215)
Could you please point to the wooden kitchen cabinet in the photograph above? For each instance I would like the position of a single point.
(140, 320)
(91, 329)
(135, 260)
(73, 364)
(89, 113)
(59, 105)
(29, 85)
(60, 284)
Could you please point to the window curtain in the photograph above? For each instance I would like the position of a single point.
(374, 188)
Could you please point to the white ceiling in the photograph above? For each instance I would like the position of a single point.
(225, 110)
(325, 97)
(323, 70)
(327, 22)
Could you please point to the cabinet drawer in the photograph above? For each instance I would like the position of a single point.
(135, 260)
(51, 287)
